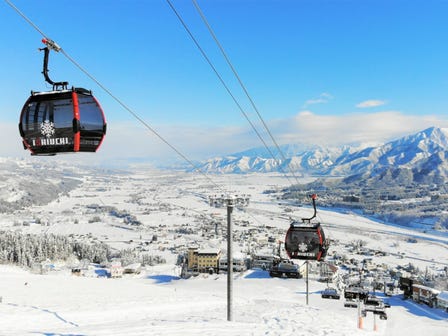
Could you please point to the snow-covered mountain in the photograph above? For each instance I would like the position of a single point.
(302, 160)
(423, 154)
(413, 151)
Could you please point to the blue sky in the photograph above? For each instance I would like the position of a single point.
(326, 72)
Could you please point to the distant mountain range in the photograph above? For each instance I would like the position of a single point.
(421, 157)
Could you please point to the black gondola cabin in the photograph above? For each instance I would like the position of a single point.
(305, 241)
(62, 121)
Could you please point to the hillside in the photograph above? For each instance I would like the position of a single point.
(403, 181)
(421, 155)
(26, 182)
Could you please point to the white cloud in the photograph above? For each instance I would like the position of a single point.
(126, 142)
(322, 99)
(129, 142)
(133, 142)
(305, 113)
(10, 141)
(308, 128)
(371, 103)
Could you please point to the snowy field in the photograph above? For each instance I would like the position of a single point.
(158, 302)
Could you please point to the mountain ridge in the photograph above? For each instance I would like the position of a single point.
(422, 153)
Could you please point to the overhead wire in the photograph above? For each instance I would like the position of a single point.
(243, 87)
(201, 50)
(130, 110)
(122, 104)
(119, 101)
(25, 18)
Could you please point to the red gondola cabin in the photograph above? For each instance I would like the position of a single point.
(62, 121)
(306, 242)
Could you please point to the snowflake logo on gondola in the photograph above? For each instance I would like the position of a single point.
(47, 128)
(303, 247)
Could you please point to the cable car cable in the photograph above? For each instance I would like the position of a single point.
(56, 47)
(120, 102)
(215, 38)
(220, 78)
(222, 82)
(318, 244)
(25, 18)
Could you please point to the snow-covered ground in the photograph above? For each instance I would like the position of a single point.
(158, 302)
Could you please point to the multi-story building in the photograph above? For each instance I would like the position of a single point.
(203, 260)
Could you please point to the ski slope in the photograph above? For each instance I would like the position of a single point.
(163, 304)
(158, 302)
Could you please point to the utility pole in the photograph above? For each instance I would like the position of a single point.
(307, 288)
(230, 202)
(230, 205)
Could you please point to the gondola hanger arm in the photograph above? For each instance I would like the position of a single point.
(51, 45)
(307, 220)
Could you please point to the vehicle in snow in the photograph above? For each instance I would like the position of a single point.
(376, 306)
(284, 268)
(373, 301)
(350, 303)
(330, 293)
(354, 292)
(376, 311)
